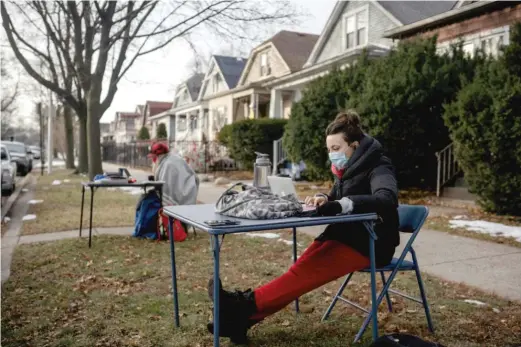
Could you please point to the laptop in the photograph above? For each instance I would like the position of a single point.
(284, 186)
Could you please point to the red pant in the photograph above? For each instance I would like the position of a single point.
(321, 263)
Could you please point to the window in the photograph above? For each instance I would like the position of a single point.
(219, 118)
(181, 123)
(356, 29)
(468, 48)
(216, 82)
(193, 122)
(265, 69)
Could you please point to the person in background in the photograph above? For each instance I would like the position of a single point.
(365, 182)
(181, 182)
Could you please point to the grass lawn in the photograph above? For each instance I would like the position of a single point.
(60, 209)
(119, 294)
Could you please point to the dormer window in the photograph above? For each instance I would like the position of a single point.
(355, 25)
(216, 83)
(265, 68)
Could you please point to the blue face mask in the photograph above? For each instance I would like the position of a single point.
(338, 159)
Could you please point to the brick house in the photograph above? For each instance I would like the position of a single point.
(479, 24)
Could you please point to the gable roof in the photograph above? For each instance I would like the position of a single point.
(193, 84)
(400, 12)
(293, 48)
(156, 107)
(408, 12)
(231, 68)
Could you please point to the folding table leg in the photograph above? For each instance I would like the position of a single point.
(216, 248)
(174, 272)
(91, 212)
(374, 301)
(294, 261)
(82, 204)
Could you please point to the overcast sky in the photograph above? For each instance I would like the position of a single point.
(155, 76)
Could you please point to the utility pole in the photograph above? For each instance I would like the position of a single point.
(49, 135)
(40, 117)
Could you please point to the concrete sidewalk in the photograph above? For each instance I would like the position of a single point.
(486, 265)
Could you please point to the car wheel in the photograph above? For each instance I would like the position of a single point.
(23, 172)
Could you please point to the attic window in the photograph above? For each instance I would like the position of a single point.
(355, 24)
(265, 68)
(216, 83)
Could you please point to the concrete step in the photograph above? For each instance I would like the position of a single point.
(459, 193)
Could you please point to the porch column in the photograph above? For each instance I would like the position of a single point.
(276, 104)
(297, 95)
(200, 123)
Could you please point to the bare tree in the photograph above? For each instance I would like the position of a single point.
(109, 36)
(8, 100)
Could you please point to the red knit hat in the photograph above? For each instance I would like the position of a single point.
(158, 148)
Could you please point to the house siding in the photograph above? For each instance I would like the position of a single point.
(225, 101)
(379, 22)
(278, 67)
(208, 83)
(488, 21)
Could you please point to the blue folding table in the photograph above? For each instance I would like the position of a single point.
(196, 215)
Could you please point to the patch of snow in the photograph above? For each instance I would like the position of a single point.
(29, 217)
(289, 243)
(460, 217)
(265, 235)
(496, 310)
(7, 219)
(66, 181)
(34, 202)
(56, 182)
(131, 190)
(484, 227)
(25, 190)
(475, 302)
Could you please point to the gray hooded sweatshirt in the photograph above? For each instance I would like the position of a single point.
(181, 183)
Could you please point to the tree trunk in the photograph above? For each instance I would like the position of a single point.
(93, 136)
(69, 137)
(83, 166)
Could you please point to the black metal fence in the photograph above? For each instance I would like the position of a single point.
(203, 157)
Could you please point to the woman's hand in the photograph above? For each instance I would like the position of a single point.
(315, 200)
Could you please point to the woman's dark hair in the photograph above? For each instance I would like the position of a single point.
(348, 123)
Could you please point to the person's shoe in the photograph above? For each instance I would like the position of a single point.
(235, 310)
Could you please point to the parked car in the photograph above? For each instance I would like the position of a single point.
(21, 154)
(37, 152)
(8, 172)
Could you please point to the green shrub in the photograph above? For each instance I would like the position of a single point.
(246, 137)
(161, 131)
(143, 134)
(400, 98)
(304, 136)
(485, 125)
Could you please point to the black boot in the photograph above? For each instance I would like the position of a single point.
(235, 310)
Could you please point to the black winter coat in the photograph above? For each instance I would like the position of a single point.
(370, 182)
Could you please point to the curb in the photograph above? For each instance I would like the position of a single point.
(10, 201)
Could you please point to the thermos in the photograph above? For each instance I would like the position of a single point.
(261, 171)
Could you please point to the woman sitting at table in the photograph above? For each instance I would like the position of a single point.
(364, 183)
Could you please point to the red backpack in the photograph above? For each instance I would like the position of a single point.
(180, 233)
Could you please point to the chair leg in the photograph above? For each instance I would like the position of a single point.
(335, 298)
(422, 292)
(387, 297)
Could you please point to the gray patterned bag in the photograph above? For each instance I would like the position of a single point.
(253, 203)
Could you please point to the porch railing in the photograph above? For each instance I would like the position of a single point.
(448, 167)
(279, 154)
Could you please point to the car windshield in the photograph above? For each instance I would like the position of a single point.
(15, 147)
(4, 154)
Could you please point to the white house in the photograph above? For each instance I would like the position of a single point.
(217, 92)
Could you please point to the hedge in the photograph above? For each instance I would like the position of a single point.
(244, 138)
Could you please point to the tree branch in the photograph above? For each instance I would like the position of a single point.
(9, 30)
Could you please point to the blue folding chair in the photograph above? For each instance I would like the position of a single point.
(411, 220)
